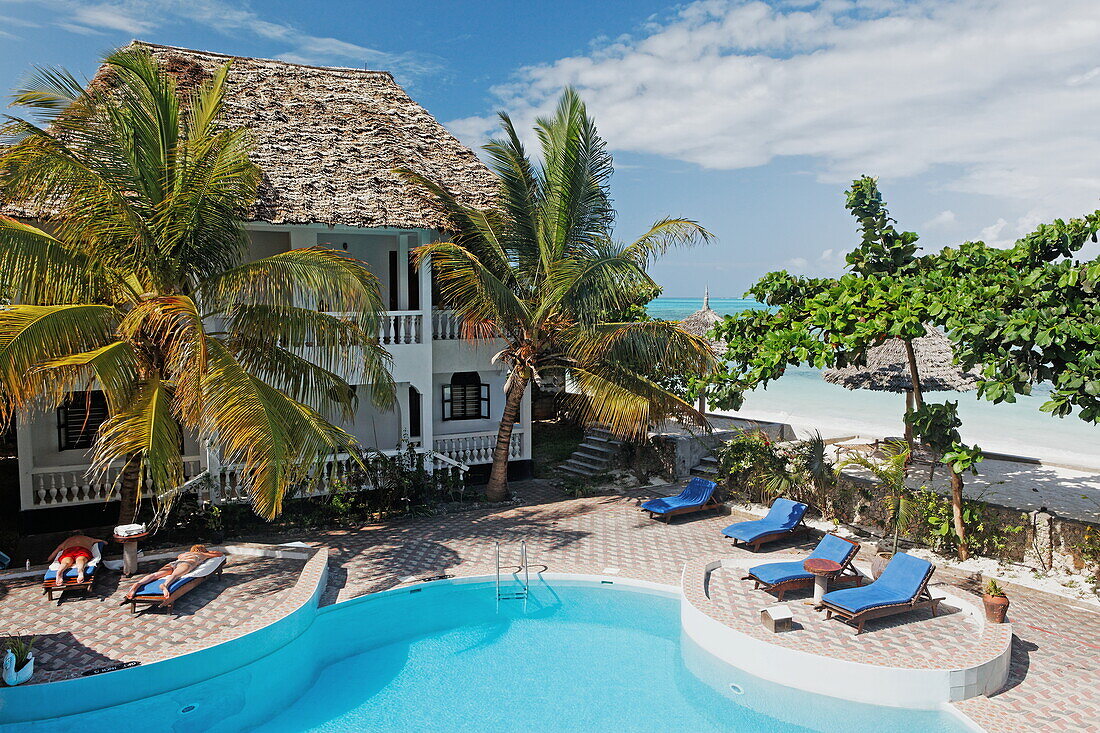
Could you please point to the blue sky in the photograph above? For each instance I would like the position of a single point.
(980, 117)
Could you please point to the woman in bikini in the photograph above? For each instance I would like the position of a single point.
(184, 563)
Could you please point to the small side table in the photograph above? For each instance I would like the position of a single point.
(823, 571)
(129, 552)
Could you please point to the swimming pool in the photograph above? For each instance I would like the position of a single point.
(582, 655)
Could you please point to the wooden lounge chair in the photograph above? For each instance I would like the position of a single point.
(49, 580)
(696, 496)
(903, 586)
(152, 593)
(780, 577)
(783, 519)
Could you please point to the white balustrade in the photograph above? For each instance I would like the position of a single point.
(445, 326)
(66, 485)
(228, 483)
(402, 327)
(477, 448)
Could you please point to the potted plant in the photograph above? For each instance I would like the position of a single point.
(995, 601)
(18, 660)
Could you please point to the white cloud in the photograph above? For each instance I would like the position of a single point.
(110, 17)
(144, 17)
(1002, 234)
(798, 263)
(996, 98)
(942, 220)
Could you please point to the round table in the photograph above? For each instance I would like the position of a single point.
(129, 552)
(823, 570)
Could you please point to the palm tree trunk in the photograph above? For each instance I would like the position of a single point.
(128, 491)
(956, 512)
(497, 489)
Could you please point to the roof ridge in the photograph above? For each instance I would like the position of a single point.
(198, 52)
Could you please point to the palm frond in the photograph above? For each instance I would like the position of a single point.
(626, 402)
(664, 235)
(31, 335)
(146, 431)
(273, 440)
(311, 277)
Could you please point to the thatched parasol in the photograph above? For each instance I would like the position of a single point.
(888, 369)
(700, 323)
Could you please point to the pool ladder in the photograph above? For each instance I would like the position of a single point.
(518, 594)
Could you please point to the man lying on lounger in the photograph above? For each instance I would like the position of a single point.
(75, 550)
(184, 563)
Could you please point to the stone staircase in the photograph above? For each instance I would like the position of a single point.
(706, 468)
(593, 456)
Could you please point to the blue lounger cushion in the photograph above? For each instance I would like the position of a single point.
(783, 516)
(831, 547)
(901, 582)
(156, 587)
(696, 493)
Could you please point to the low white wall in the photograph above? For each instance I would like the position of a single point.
(872, 684)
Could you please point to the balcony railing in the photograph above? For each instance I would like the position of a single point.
(53, 486)
(226, 485)
(477, 448)
(445, 326)
(402, 327)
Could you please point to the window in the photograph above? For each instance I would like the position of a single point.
(79, 419)
(465, 398)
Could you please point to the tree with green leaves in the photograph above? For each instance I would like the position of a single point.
(890, 474)
(938, 426)
(136, 285)
(541, 273)
(831, 322)
(1027, 314)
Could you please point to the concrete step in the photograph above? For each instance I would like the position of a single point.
(583, 466)
(598, 446)
(594, 456)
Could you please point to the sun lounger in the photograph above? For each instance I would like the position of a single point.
(780, 577)
(696, 496)
(152, 593)
(49, 580)
(784, 518)
(903, 586)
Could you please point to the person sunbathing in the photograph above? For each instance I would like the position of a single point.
(184, 563)
(73, 551)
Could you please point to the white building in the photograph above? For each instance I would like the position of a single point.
(327, 141)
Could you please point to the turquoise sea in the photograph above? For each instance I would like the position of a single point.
(802, 397)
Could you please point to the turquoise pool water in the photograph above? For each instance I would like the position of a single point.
(580, 657)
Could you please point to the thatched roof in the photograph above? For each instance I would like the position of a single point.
(327, 141)
(702, 321)
(887, 368)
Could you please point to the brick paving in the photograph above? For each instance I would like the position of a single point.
(1054, 681)
(81, 632)
(914, 640)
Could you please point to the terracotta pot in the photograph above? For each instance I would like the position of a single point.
(996, 607)
(879, 563)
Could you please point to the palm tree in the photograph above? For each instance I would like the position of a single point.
(542, 272)
(890, 474)
(136, 285)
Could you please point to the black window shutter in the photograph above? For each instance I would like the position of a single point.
(393, 280)
(447, 404)
(484, 401)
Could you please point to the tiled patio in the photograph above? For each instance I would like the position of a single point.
(85, 632)
(1055, 676)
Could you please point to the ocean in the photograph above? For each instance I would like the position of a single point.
(802, 397)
